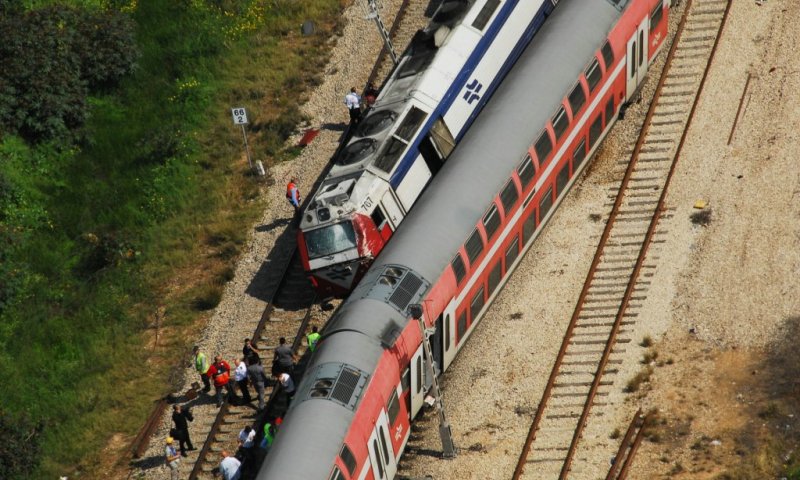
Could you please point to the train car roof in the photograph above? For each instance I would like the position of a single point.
(500, 138)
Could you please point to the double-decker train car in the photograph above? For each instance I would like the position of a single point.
(440, 84)
(352, 412)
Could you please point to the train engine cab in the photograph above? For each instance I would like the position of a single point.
(338, 239)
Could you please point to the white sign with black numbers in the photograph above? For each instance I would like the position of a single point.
(239, 116)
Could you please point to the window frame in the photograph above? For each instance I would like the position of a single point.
(543, 148)
(508, 199)
(546, 199)
(525, 180)
(470, 246)
(480, 295)
(560, 122)
(349, 460)
(490, 225)
(574, 103)
(593, 81)
(485, 14)
(658, 11)
(608, 54)
(459, 267)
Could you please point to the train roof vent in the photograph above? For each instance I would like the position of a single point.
(396, 286)
(405, 291)
(345, 385)
(336, 382)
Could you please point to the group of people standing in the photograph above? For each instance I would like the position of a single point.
(247, 371)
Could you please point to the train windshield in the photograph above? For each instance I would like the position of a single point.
(330, 240)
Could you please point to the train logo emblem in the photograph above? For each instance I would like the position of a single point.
(473, 90)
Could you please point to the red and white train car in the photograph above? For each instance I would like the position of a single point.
(351, 415)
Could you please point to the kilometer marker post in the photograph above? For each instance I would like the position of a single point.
(240, 118)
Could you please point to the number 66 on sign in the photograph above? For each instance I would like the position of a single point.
(239, 116)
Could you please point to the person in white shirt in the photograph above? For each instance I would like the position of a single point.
(240, 376)
(287, 383)
(353, 103)
(247, 439)
(230, 466)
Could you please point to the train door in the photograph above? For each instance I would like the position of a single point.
(449, 334)
(637, 57)
(381, 454)
(437, 146)
(437, 344)
(417, 382)
(392, 210)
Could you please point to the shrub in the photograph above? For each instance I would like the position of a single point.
(19, 450)
(51, 57)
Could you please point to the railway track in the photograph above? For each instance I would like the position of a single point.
(587, 366)
(288, 314)
(630, 444)
(292, 295)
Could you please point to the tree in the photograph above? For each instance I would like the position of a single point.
(51, 57)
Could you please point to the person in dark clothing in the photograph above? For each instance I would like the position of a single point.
(180, 417)
(255, 372)
(250, 351)
(283, 361)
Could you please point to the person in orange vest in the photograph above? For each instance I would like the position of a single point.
(293, 194)
(220, 372)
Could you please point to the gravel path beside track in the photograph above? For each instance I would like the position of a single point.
(353, 55)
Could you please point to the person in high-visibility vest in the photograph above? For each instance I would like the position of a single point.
(313, 338)
(201, 365)
(269, 436)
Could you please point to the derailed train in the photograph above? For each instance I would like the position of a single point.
(351, 415)
(442, 81)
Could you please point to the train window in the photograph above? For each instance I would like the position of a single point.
(391, 154)
(447, 332)
(491, 222)
(579, 156)
(655, 16)
(458, 268)
(378, 217)
(405, 381)
(474, 246)
(545, 203)
(423, 52)
(526, 171)
(485, 14)
(348, 459)
(393, 407)
(562, 179)
(462, 325)
(593, 75)
(382, 437)
(609, 110)
(529, 227)
(477, 304)
(595, 130)
(608, 54)
(576, 99)
(378, 461)
(494, 277)
(543, 148)
(337, 474)
(442, 138)
(419, 374)
(410, 124)
(356, 151)
(376, 122)
(512, 252)
(509, 196)
(560, 122)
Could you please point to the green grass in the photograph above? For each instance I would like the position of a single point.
(103, 233)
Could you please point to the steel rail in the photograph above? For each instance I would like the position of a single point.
(624, 446)
(623, 474)
(223, 411)
(520, 468)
